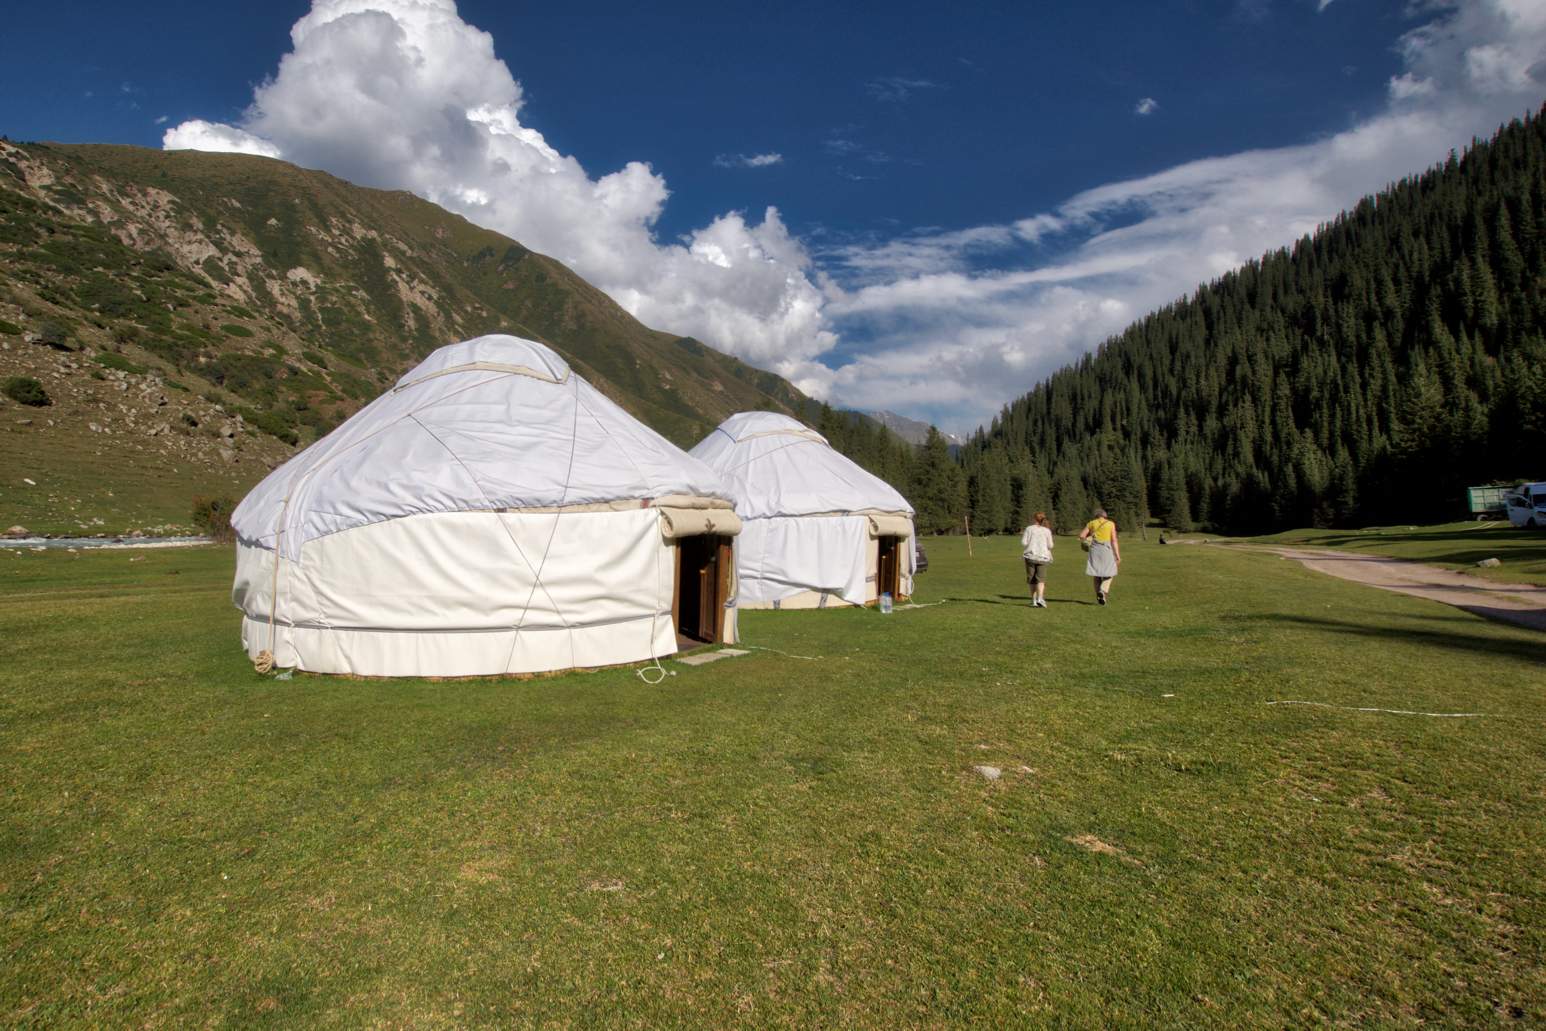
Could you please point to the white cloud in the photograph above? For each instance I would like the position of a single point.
(1146, 106)
(947, 323)
(897, 88)
(748, 160)
(201, 135)
(405, 94)
(161, 120)
(971, 319)
(1321, 5)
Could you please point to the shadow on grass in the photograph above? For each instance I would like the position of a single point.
(1018, 601)
(1470, 546)
(1453, 640)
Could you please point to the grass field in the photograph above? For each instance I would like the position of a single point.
(779, 841)
(68, 471)
(1451, 545)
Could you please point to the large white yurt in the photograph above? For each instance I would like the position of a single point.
(816, 529)
(492, 513)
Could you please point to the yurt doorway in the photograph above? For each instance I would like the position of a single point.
(888, 567)
(703, 568)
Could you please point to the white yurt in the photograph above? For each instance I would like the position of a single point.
(816, 529)
(492, 513)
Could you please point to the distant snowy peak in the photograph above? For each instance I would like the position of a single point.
(910, 430)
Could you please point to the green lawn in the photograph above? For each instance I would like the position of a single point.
(1452, 545)
(770, 841)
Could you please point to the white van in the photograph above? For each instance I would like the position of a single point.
(1526, 505)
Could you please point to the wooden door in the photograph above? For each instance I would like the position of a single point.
(708, 591)
(703, 567)
(887, 579)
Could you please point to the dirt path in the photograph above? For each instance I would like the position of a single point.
(1521, 604)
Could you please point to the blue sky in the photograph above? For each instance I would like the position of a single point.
(962, 197)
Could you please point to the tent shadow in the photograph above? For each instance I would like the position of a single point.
(1455, 641)
(1012, 600)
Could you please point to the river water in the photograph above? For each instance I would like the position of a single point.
(104, 543)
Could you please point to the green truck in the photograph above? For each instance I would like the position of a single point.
(1487, 502)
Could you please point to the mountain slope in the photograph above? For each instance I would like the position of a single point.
(910, 430)
(254, 305)
(1367, 375)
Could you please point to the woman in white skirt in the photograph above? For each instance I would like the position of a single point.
(1105, 553)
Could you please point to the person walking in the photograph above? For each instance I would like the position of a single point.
(1105, 553)
(1036, 545)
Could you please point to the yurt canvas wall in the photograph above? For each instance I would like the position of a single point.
(817, 530)
(492, 513)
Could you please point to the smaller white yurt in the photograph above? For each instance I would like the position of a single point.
(492, 513)
(816, 529)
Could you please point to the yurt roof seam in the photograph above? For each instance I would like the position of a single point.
(304, 480)
(844, 478)
(574, 427)
(517, 370)
(765, 454)
(615, 442)
(536, 570)
(834, 471)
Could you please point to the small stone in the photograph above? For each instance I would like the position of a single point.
(15, 532)
(30, 482)
(990, 772)
(1489, 563)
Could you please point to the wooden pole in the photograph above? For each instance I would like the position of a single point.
(968, 535)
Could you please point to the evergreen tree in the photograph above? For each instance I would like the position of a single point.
(938, 488)
(1369, 372)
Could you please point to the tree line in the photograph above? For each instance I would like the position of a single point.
(1367, 374)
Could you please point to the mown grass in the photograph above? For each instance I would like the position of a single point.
(780, 841)
(1459, 546)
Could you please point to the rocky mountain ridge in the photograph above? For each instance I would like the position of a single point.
(195, 317)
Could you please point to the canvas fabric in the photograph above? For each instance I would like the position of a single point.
(493, 513)
(809, 515)
(467, 430)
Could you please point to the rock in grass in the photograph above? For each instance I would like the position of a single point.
(15, 533)
(1489, 563)
(990, 772)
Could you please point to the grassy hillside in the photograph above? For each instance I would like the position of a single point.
(774, 841)
(284, 296)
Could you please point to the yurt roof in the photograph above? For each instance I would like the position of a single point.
(777, 466)
(492, 423)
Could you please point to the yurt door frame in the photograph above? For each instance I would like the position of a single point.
(703, 567)
(888, 566)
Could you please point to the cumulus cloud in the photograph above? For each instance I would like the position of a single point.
(201, 135)
(973, 317)
(945, 324)
(406, 94)
(748, 160)
(1146, 106)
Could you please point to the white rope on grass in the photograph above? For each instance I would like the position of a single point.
(775, 651)
(918, 605)
(1394, 712)
(659, 672)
